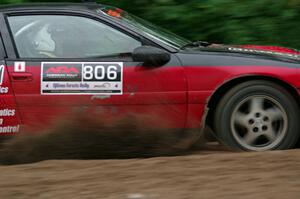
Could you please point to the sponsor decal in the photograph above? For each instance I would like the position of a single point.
(62, 72)
(1, 74)
(20, 67)
(7, 112)
(88, 78)
(3, 90)
(10, 129)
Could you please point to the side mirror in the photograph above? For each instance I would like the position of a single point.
(151, 56)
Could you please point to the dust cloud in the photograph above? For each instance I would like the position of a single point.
(83, 138)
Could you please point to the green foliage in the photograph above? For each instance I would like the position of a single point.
(265, 22)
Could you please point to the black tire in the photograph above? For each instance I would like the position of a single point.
(227, 124)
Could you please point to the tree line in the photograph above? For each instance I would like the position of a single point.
(264, 22)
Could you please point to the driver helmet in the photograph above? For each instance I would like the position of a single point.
(43, 41)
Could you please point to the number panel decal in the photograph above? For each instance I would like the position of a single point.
(82, 78)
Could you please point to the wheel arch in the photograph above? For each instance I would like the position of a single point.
(226, 86)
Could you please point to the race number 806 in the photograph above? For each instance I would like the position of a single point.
(102, 72)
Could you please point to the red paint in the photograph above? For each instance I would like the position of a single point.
(176, 95)
(160, 92)
(9, 114)
(203, 81)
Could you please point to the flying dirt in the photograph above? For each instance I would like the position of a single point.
(81, 137)
(128, 160)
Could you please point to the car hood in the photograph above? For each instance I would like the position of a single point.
(270, 52)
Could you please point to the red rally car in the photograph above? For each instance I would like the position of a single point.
(56, 58)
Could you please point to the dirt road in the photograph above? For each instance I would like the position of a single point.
(207, 172)
(202, 174)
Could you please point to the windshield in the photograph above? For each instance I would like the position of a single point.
(145, 27)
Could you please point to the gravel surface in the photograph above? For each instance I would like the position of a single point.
(207, 173)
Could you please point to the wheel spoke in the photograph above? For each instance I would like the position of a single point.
(250, 138)
(256, 104)
(241, 119)
(270, 135)
(274, 113)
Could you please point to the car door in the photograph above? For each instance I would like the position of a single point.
(68, 64)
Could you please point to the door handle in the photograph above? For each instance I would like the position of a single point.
(22, 77)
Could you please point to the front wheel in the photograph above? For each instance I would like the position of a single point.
(258, 116)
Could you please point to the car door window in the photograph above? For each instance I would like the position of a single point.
(60, 36)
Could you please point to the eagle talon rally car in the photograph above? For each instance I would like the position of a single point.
(55, 58)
